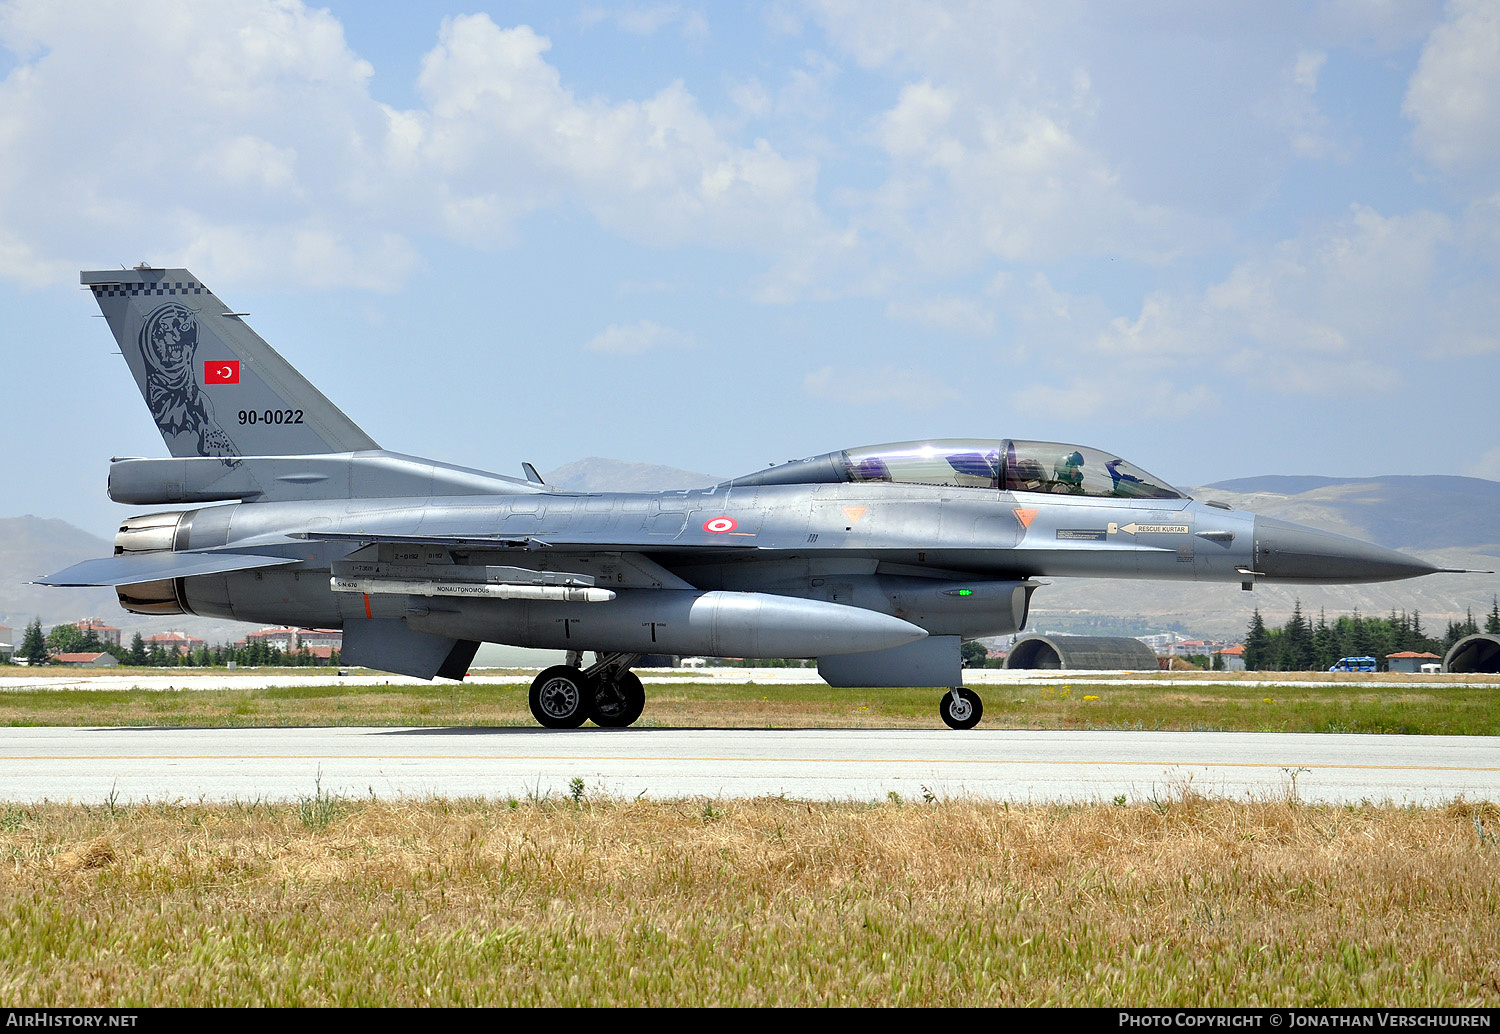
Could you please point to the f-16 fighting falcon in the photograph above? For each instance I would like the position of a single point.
(877, 561)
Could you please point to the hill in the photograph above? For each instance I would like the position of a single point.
(1402, 511)
(596, 474)
(34, 546)
(1448, 521)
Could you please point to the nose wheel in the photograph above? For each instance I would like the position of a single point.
(960, 708)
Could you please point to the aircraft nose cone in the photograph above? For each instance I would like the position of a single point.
(1294, 553)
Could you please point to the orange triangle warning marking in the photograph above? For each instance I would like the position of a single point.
(1024, 516)
(854, 513)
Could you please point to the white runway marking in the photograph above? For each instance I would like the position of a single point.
(88, 765)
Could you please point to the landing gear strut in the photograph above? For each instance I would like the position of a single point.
(960, 708)
(567, 695)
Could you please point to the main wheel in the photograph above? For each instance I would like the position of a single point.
(618, 702)
(560, 697)
(961, 708)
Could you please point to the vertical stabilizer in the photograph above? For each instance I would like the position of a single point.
(213, 385)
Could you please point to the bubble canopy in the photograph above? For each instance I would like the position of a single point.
(996, 464)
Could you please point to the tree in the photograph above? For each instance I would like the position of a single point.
(975, 654)
(66, 638)
(1257, 643)
(1492, 623)
(1325, 643)
(1299, 637)
(34, 644)
(138, 650)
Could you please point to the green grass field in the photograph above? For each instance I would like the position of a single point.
(1235, 706)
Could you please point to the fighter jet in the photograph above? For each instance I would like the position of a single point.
(878, 561)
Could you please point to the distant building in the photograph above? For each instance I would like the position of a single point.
(1409, 662)
(319, 641)
(273, 638)
(1190, 648)
(6, 649)
(86, 660)
(104, 633)
(174, 642)
(1234, 658)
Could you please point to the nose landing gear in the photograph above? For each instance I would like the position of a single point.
(960, 708)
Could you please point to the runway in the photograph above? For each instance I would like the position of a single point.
(147, 764)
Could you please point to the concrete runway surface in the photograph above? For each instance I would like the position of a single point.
(88, 765)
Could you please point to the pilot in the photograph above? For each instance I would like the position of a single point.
(1067, 474)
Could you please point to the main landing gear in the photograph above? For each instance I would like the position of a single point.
(960, 708)
(567, 695)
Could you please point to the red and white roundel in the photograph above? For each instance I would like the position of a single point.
(719, 525)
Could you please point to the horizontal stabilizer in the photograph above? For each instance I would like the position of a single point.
(133, 568)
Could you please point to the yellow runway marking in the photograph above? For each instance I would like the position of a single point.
(777, 760)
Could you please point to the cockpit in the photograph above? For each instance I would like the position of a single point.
(1006, 464)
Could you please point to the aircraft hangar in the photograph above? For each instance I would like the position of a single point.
(1081, 653)
(1475, 653)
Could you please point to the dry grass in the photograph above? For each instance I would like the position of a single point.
(768, 902)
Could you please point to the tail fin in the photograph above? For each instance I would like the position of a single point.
(213, 385)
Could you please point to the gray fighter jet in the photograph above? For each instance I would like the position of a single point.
(878, 561)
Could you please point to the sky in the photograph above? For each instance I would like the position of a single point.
(1218, 239)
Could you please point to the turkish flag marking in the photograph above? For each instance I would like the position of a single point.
(221, 371)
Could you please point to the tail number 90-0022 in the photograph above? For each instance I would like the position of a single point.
(270, 416)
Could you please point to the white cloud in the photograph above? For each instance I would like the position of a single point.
(953, 314)
(249, 161)
(1080, 396)
(1454, 95)
(908, 129)
(639, 337)
(154, 129)
(648, 19)
(903, 387)
(1383, 24)
(1486, 466)
(252, 121)
(1345, 304)
(501, 129)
